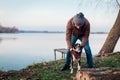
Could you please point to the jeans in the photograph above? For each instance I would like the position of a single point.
(87, 51)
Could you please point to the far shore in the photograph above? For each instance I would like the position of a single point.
(32, 31)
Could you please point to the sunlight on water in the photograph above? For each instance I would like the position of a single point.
(20, 50)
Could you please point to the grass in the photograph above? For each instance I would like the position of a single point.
(113, 61)
(51, 70)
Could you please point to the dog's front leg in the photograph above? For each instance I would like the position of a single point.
(79, 65)
(71, 66)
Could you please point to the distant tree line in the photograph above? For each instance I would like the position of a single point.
(8, 29)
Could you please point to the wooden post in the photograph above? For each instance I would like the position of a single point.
(55, 54)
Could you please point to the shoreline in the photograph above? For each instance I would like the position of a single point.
(83, 56)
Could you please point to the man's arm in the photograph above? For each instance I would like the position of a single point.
(86, 35)
(69, 34)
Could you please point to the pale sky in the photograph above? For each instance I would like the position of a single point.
(53, 15)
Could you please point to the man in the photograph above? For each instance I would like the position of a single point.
(78, 28)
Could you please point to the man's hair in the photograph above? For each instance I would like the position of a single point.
(79, 19)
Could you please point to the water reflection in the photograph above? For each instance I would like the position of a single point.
(7, 38)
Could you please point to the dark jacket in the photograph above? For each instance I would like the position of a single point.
(83, 32)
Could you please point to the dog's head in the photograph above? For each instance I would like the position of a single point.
(77, 47)
(81, 75)
(76, 51)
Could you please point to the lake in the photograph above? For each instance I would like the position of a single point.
(17, 51)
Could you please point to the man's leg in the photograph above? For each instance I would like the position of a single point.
(68, 56)
(88, 54)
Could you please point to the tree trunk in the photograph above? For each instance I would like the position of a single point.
(112, 37)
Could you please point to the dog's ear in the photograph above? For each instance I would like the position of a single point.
(73, 78)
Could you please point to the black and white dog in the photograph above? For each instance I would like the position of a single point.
(76, 56)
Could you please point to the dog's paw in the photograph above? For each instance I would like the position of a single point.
(79, 68)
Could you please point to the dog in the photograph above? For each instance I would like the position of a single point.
(76, 56)
(82, 75)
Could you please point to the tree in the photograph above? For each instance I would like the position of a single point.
(112, 37)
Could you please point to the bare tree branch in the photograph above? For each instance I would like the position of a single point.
(118, 3)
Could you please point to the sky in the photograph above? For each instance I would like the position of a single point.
(53, 15)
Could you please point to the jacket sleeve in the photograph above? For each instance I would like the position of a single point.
(69, 33)
(86, 35)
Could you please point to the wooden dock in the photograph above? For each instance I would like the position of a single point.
(62, 51)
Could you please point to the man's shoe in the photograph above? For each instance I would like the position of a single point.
(65, 67)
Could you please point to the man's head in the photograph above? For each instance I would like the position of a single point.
(79, 20)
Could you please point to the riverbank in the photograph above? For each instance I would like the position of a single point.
(109, 68)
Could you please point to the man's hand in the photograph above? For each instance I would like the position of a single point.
(71, 49)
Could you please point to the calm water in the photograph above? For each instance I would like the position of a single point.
(20, 50)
